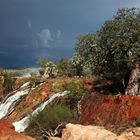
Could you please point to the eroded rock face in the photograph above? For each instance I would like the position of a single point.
(130, 134)
(7, 133)
(79, 132)
(109, 110)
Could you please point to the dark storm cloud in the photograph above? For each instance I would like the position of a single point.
(32, 29)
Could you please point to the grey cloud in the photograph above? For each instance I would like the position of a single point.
(29, 23)
(44, 38)
(135, 4)
(59, 33)
(5, 53)
(29, 28)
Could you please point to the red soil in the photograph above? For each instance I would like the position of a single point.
(106, 110)
(7, 132)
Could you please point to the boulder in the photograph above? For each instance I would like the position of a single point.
(7, 132)
(80, 132)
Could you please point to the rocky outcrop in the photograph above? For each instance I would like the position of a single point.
(29, 102)
(130, 134)
(79, 132)
(94, 109)
(7, 133)
(106, 110)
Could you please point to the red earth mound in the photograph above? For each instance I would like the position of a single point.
(106, 110)
(7, 132)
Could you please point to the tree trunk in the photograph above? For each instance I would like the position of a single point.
(133, 87)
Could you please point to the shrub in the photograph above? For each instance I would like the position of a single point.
(41, 71)
(58, 86)
(137, 122)
(65, 67)
(9, 82)
(77, 90)
(33, 80)
(48, 120)
(53, 116)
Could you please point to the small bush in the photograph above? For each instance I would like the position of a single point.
(41, 71)
(9, 82)
(77, 90)
(49, 119)
(33, 80)
(53, 116)
(58, 86)
(137, 122)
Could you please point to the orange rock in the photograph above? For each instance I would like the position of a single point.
(7, 133)
(110, 110)
(43, 93)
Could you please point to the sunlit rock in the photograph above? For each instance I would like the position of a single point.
(80, 132)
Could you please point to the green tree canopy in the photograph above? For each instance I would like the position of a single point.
(48, 68)
(112, 51)
(65, 67)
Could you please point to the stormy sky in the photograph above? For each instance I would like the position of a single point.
(33, 29)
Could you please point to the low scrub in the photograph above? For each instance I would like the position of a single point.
(9, 83)
(50, 121)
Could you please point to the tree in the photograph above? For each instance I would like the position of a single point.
(85, 50)
(42, 62)
(78, 61)
(65, 67)
(118, 45)
(133, 87)
(85, 45)
(48, 68)
(114, 49)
